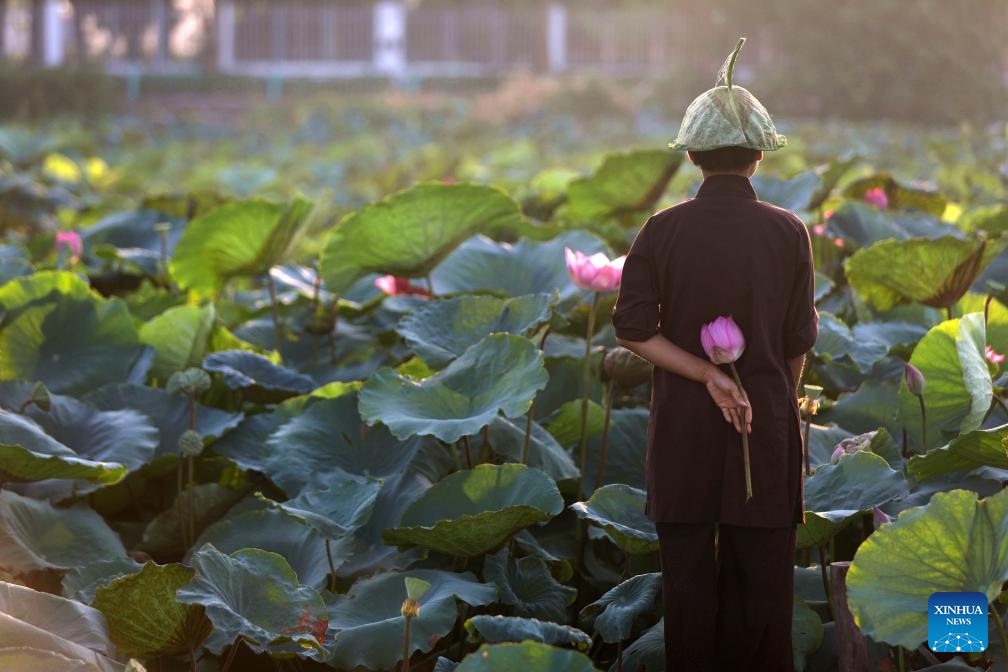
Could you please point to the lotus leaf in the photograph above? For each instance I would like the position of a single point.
(367, 627)
(236, 239)
(36, 535)
(625, 453)
(486, 506)
(625, 186)
(454, 402)
(866, 225)
(261, 380)
(979, 448)
(614, 613)
(955, 543)
(14, 263)
(255, 595)
(145, 619)
(204, 504)
(935, 272)
(80, 583)
(874, 404)
(527, 656)
(409, 233)
(836, 342)
(246, 444)
(898, 195)
(442, 330)
(647, 652)
(619, 510)
(135, 229)
(527, 585)
(497, 629)
(959, 387)
(334, 504)
(794, 194)
(44, 286)
(806, 632)
(179, 336)
(565, 423)
(28, 659)
(507, 437)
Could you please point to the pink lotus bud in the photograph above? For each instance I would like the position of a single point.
(827, 214)
(914, 379)
(838, 452)
(876, 196)
(394, 286)
(992, 356)
(72, 241)
(819, 230)
(596, 273)
(879, 517)
(722, 340)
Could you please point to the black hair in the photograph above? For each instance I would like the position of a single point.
(725, 158)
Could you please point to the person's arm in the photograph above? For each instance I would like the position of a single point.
(801, 321)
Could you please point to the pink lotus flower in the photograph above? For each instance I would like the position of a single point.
(914, 379)
(838, 452)
(722, 340)
(992, 356)
(827, 214)
(876, 196)
(394, 286)
(819, 230)
(596, 273)
(879, 517)
(71, 240)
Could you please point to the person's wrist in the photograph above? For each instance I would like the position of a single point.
(709, 373)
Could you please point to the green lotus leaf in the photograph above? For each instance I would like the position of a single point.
(959, 389)
(270, 530)
(619, 510)
(334, 505)
(836, 342)
(997, 318)
(454, 402)
(625, 186)
(565, 424)
(497, 629)
(806, 632)
(647, 652)
(614, 613)
(28, 659)
(245, 445)
(527, 585)
(836, 493)
(72, 345)
(935, 272)
(445, 665)
(145, 619)
(527, 656)
(179, 337)
(514, 269)
(135, 229)
(955, 543)
(367, 627)
(409, 233)
(44, 285)
(28, 454)
(168, 412)
(35, 535)
(865, 225)
(80, 583)
(259, 379)
(874, 404)
(794, 194)
(979, 448)
(823, 441)
(900, 197)
(440, 331)
(204, 504)
(255, 595)
(625, 452)
(473, 511)
(14, 263)
(237, 239)
(507, 437)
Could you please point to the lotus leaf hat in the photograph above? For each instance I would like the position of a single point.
(727, 116)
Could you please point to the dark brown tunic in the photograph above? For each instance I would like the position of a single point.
(723, 253)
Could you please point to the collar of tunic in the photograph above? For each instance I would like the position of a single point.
(723, 185)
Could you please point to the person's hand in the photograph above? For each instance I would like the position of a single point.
(726, 395)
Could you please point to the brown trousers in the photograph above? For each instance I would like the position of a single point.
(728, 596)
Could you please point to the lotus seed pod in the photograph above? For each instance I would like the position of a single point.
(727, 116)
(410, 608)
(190, 444)
(626, 368)
(191, 380)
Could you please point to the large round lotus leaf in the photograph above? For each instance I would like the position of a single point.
(935, 272)
(255, 595)
(899, 197)
(455, 402)
(81, 583)
(14, 263)
(614, 613)
(874, 404)
(27, 659)
(473, 511)
(497, 629)
(837, 344)
(997, 318)
(806, 632)
(836, 493)
(334, 504)
(647, 652)
(955, 543)
(259, 379)
(179, 337)
(527, 585)
(134, 229)
(167, 534)
(980, 448)
(440, 331)
(47, 285)
(619, 510)
(959, 389)
(409, 233)
(565, 424)
(71, 345)
(526, 656)
(507, 437)
(795, 194)
(368, 628)
(28, 454)
(861, 225)
(330, 434)
(237, 239)
(168, 412)
(625, 452)
(246, 444)
(145, 619)
(625, 186)
(302, 547)
(514, 269)
(36, 535)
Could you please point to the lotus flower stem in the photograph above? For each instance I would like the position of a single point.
(610, 395)
(332, 567)
(528, 422)
(192, 660)
(825, 579)
(275, 309)
(406, 645)
(948, 312)
(745, 434)
(999, 622)
(468, 451)
(920, 398)
(805, 445)
(231, 654)
(586, 379)
(899, 658)
(987, 303)
(430, 286)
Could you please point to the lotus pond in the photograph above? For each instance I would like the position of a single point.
(316, 403)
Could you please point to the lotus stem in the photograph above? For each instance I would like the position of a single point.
(468, 451)
(332, 567)
(805, 445)
(190, 503)
(920, 398)
(586, 379)
(192, 661)
(992, 610)
(275, 310)
(163, 239)
(745, 434)
(406, 645)
(825, 579)
(899, 658)
(183, 527)
(231, 654)
(987, 303)
(528, 422)
(948, 312)
(619, 656)
(610, 395)
(430, 286)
